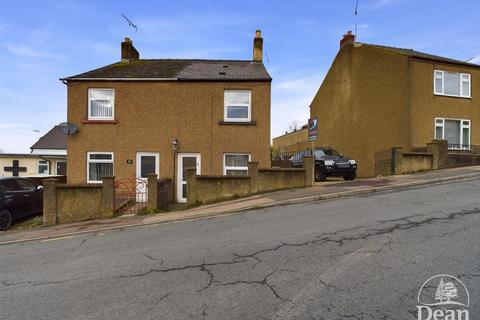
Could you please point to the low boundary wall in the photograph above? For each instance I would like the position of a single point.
(64, 203)
(206, 189)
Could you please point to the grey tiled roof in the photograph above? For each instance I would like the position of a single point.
(180, 69)
(422, 55)
(53, 139)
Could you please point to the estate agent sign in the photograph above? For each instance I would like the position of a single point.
(312, 129)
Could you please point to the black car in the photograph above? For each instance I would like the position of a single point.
(328, 163)
(19, 198)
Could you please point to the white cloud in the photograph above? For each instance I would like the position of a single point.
(291, 99)
(26, 51)
(13, 126)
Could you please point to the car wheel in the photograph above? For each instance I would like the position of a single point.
(5, 220)
(319, 175)
(350, 176)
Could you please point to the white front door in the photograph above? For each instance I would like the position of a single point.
(186, 161)
(147, 162)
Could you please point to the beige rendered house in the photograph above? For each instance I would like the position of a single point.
(140, 116)
(48, 157)
(377, 97)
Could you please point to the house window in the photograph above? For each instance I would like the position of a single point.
(455, 131)
(43, 167)
(452, 84)
(99, 164)
(235, 164)
(237, 105)
(101, 104)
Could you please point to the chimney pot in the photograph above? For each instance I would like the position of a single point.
(128, 52)
(258, 47)
(347, 38)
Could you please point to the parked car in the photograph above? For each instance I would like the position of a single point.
(19, 198)
(328, 163)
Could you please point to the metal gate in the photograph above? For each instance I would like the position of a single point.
(130, 196)
(384, 162)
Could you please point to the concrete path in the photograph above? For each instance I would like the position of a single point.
(361, 257)
(322, 191)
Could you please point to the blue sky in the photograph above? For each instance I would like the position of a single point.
(41, 41)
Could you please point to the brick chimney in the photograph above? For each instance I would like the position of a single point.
(258, 46)
(347, 38)
(129, 52)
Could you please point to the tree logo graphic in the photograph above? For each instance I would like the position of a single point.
(449, 291)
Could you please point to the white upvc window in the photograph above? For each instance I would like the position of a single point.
(43, 167)
(452, 84)
(455, 131)
(99, 165)
(237, 105)
(236, 164)
(101, 104)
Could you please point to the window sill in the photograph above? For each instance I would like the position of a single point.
(452, 96)
(237, 123)
(99, 121)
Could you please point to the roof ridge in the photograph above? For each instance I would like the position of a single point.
(420, 54)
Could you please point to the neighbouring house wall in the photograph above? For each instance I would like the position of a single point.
(151, 115)
(426, 106)
(277, 179)
(362, 105)
(291, 142)
(30, 162)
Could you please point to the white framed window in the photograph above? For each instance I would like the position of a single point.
(99, 164)
(455, 131)
(236, 164)
(452, 84)
(237, 105)
(101, 104)
(43, 167)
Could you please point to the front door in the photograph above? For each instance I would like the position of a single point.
(186, 161)
(147, 162)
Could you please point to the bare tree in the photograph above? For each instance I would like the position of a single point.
(294, 125)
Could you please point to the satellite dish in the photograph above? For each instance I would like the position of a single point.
(68, 128)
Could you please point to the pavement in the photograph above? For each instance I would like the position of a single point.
(360, 257)
(321, 191)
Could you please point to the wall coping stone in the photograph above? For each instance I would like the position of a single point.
(80, 185)
(222, 177)
(281, 169)
(418, 154)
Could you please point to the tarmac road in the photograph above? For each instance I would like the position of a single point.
(362, 257)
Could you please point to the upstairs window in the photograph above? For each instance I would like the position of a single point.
(452, 84)
(101, 103)
(99, 165)
(237, 106)
(235, 164)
